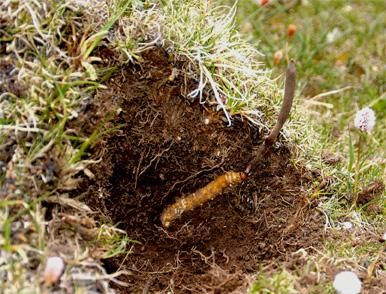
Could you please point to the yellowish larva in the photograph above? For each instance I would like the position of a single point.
(209, 192)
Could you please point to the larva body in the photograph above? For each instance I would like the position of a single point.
(209, 192)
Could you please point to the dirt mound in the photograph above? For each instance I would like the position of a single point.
(169, 146)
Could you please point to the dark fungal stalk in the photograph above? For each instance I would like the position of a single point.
(289, 94)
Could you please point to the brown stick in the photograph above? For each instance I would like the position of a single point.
(289, 94)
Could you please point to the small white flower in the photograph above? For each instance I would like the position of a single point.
(365, 119)
(384, 237)
(346, 225)
(333, 35)
(54, 269)
(347, 283)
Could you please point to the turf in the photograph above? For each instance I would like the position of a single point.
(339, 48)
(56, 57)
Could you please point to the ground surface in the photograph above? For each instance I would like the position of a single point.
(169, 147)
(156, 145)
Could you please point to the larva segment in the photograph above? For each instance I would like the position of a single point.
(198, 198)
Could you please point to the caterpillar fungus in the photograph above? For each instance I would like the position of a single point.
(289, 94)
(198, 198)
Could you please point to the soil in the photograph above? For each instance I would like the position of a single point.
(10, 86)
(168, 146)
(8, 79)
(371, 192)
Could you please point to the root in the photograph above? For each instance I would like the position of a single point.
(193, 176)
(157, 158)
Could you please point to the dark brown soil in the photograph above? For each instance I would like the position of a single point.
(11, 88)
(8, 79)
(170, 146)
(371, 192)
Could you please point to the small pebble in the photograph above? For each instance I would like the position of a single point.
(347, 283)
(346, 225)
(54, 269)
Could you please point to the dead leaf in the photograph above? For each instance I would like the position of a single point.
(331, 158)
(341, 59)
(66, 201)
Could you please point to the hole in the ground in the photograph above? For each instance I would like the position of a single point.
(169, 147)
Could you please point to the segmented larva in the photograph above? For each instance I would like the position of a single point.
(209, 192)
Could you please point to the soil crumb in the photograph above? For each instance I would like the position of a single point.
(168, 146)
(8, 79)
(371, 192)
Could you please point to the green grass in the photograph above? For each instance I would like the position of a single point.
(49, 47)
(339, 48)
(321, 67)
(220, 60)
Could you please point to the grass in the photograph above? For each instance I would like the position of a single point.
(339, 50)
(235, 78)
(50, 46)
(335, 50)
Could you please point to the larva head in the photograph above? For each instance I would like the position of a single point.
(233, 177)
(243, 176)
